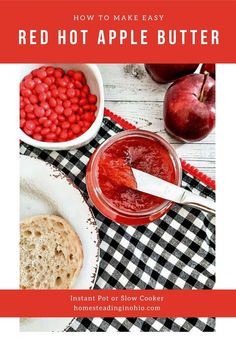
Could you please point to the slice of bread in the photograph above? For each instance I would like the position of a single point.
(51, 254)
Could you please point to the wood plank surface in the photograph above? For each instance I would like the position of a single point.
(133, 95)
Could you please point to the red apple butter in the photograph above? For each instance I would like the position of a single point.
(115, 175)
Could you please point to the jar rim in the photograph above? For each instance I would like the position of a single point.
(120, 136)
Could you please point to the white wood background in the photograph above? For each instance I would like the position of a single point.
(133, 95)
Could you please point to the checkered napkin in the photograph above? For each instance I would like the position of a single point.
(175, 252)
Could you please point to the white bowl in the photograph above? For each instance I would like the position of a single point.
(94, 80)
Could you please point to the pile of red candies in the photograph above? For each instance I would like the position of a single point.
(55, 105)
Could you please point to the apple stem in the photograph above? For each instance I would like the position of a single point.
(206, 74)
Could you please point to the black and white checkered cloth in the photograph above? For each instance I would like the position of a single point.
(175, 252)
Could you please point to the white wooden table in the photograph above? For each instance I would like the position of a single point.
(133, 95)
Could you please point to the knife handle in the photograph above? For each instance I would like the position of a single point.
(199, 202)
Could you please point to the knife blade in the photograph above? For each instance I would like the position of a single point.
(160, 188)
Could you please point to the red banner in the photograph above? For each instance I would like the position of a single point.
(117, 31)
(118, 303)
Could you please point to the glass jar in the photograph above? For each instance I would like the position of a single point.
(103, 204)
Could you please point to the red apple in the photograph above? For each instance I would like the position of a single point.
(163, 73)
(211, 68)
(189, 107)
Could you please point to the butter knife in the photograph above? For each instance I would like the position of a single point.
(160, 188)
